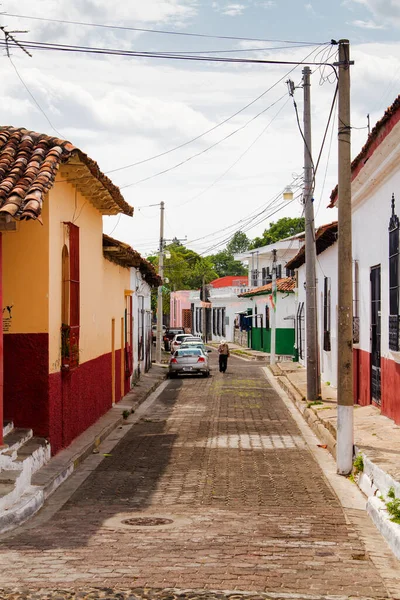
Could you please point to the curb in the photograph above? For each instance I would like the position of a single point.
(371, 481)
(310, 416)
(35, 496)
(389, 530)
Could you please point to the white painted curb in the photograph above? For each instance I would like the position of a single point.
(391, 531)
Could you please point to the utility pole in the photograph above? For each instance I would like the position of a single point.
(273, 315)
(313, 385)
(345, 435)
(204, 311)
(160, 287)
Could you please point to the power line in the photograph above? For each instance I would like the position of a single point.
(32, 45)
(218, 179)
(158, 31)
(35, 101)
(197, 154)
(211, 129)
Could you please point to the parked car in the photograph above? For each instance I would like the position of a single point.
(178, 339)
(195, 343)
(154, 332)
(188, 360)
(169, 335)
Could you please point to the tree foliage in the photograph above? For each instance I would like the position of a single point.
(239, 243)
(283, 228)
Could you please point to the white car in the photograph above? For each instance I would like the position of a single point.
(178, 339)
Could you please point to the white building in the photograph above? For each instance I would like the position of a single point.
(258, 320)
(376, 274)
(141, 319)
(327, 292)
(260, 260)
(375, 220)
(222, 305)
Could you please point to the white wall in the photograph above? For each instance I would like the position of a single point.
(141, 316)
(327, 265)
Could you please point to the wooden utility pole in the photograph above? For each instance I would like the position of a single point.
(313, 384)
(273, 314)
(344, 449)
(160, 287)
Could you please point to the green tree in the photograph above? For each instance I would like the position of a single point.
(239, 243)
(225, 264)
(283, 228)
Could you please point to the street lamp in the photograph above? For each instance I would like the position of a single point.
(288, 193)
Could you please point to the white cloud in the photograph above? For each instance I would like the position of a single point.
(230, 10)
(367, 24)
(384, 11)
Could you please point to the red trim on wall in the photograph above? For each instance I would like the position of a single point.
(390, 382)
(26, 383)
(78, 398)
(59, 406)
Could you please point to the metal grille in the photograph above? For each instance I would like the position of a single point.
(394, 331)
(356, 330)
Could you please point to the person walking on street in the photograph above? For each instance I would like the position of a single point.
(223, 351)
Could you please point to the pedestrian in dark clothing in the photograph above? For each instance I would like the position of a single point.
(223, 351)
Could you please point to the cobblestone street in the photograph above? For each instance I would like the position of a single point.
(247, 508)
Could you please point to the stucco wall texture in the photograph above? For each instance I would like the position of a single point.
(60, 405)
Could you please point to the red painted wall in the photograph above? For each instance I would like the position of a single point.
(79, 397)
(390, 392)
(59, 406)
(26, 381)
(363, 378)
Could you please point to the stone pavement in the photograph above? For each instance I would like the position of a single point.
(47, 479)
(246, 509)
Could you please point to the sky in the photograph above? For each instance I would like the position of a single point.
(124, 110)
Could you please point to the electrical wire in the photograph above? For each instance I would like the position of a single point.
(197, 154)
(35, 101)
(51, 46)
(211, 129)
(158, 31)
(218, 179)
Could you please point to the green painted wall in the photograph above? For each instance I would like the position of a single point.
(284, 340)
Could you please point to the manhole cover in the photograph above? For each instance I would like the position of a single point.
(147, 521)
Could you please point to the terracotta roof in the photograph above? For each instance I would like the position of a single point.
(381, 130)
(123, 255)
(29, 163)
(325, 236)
(286, 284)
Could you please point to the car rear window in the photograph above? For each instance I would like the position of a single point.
(188, 352)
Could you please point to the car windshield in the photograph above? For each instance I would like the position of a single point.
(188, 352)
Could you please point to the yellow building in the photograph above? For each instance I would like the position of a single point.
(63, 299)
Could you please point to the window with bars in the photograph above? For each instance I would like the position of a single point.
(327, 314)
(394, 280)
(214, 320)
(223, 328)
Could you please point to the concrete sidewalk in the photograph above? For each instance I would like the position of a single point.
(60, 467)
(376, 440)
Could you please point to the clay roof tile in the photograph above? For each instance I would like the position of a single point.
(29, 162)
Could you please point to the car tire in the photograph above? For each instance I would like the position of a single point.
(206, 374)
(173, 375)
